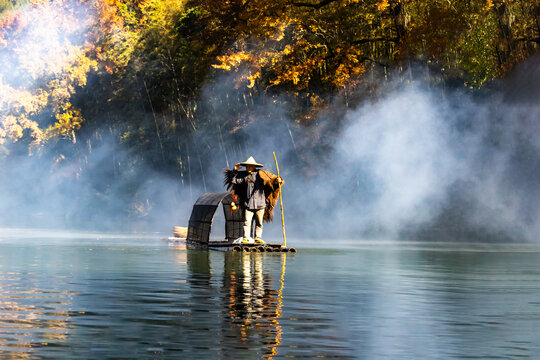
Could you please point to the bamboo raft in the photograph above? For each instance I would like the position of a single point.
(197, 234)
(227, 246)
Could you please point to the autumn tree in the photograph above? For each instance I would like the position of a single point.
(321, 47)
(42, 69)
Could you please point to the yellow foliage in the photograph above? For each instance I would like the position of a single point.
(67, 123)
(280, 32)
(287, 50)
(382, 5)
(316, 100)
(80, 68)
(252, 78)
(232, 61)
(57, 73)
(11, 128)
(159, 13)
(15, 131)
(20, 105)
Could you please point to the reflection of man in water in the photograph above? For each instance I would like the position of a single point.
(257, 192)
(253, 305)
(249, 300)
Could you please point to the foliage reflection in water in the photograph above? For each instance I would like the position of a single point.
(109, 300)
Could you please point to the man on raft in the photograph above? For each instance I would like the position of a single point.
(256, 191)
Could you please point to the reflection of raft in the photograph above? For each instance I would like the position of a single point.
(200, 226)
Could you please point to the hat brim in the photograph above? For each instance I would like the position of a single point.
(254, 164)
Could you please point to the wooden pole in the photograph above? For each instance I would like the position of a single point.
(281, 204)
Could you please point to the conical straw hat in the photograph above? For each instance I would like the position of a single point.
(251, 161)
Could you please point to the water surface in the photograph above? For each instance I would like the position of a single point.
(72, 295)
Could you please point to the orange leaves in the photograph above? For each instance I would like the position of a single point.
(344, 73)
(297, 73)
(252, 78)
(280, 27)
(489, 5)
(54, 45)
(302, 48)
(108, 16)
(233, 61)
(294, 65)
(289, 64)
(349, 66)
(382, 5)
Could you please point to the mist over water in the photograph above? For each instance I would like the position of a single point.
(421, 161)
(439, 164)
(85, 193)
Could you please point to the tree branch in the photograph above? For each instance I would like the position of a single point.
(371, 40)
(536, 40)
(314, 6)
(375, 62)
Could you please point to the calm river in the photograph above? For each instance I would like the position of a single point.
(88, 296)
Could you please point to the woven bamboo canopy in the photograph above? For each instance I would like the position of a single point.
(202, 216)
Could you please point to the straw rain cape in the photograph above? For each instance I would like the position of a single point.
(271, 190)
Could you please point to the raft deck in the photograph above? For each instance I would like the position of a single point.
(227, 246)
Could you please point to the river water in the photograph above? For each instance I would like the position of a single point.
(90, 296)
